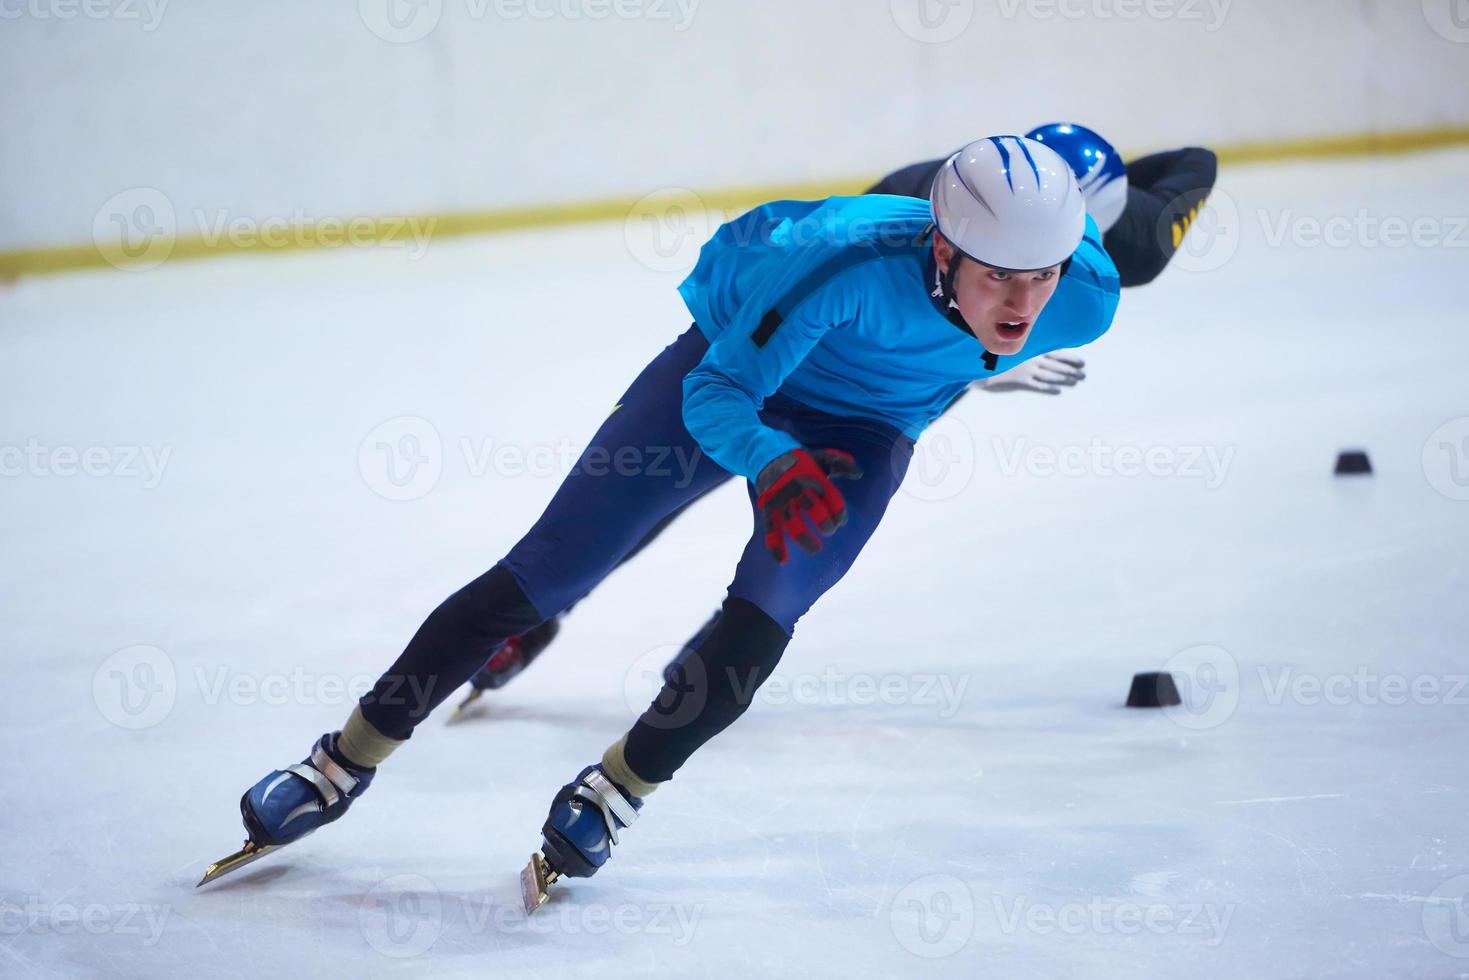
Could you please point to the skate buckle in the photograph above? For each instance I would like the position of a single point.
(535, 878)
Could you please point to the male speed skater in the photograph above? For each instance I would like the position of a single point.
(1143, 210)
(827, 335)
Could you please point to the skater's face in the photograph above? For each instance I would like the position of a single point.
(999, 306)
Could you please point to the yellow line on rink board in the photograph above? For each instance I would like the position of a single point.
(369, 231)
(1362, 144)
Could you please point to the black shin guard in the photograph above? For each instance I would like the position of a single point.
(705, 690)
(455, 641)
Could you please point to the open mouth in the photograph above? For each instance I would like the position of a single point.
(1013, 328)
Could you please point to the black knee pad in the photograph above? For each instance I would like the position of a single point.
(455, 641)
(705, 690)
(490, 609)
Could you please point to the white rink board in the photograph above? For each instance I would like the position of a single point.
(278, 111)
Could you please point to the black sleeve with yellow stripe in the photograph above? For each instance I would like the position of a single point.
(1165, 193)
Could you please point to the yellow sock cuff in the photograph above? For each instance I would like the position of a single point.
(614, 761)
(362, 744)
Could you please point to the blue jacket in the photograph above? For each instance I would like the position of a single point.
(828, 303)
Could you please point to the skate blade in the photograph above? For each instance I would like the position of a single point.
(245, 855)
(475, 693)
(535, 880)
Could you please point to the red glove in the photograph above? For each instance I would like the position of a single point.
(796, 486)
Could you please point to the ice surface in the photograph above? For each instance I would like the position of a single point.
(942, 781)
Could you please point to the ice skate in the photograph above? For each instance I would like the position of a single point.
(578, 834)
(288, 804)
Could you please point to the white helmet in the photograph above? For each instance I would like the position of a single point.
(1011, 203)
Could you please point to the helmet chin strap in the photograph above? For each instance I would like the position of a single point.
(943, 292)
(943, 296)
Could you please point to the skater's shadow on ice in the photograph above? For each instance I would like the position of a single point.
(560, 717)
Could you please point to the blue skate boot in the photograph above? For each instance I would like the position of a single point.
(292, 802)
(579, 832)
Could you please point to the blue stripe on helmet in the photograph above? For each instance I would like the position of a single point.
(1004, 160)
(1028, 159)
(959, 175)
